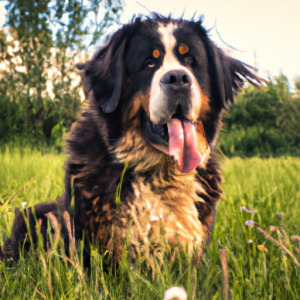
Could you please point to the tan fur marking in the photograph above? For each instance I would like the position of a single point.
(132, 148)
(146, 101)
(105, 207)
(95, 201)
(86, 194)
(202, 144)
(142, 100)
(205, 107)
(209, 219)
(131, 112)
(199, 111)
(207, 184)
(109, 217)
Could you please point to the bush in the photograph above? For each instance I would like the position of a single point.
(40, 45)
(263, 123)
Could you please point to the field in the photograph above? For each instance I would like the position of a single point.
(269, 186)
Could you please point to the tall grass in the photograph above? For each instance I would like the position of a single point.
(268, 186)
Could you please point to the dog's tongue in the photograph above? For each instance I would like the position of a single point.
(183, 145)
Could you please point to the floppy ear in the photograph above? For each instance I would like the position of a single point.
(103, 74)
(228, 76)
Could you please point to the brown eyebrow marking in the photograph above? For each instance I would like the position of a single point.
(156, 53)
(183, 49)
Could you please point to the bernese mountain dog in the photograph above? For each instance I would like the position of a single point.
(141, 157)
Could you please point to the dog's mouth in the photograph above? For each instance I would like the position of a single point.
(177, 138)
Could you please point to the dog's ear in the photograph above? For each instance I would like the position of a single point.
(228, 76)
(103, 74)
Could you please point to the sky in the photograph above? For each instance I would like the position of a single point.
(266, 33)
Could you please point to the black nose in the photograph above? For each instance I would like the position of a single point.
(176, 79)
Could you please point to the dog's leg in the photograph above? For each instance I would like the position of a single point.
(207, 217)
(24, 231)
(25, 225)
(87, 258)
(79, 236)
(211, 226)
(64, 201)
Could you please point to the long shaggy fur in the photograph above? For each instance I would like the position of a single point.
(156, 198)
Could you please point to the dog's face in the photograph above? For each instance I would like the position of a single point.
(169, 75)
(168, 66)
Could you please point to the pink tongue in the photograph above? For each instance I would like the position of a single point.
(183, 145)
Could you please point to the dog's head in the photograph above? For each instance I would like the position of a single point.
(170, 76)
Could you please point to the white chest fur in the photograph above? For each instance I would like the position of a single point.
(167, 208)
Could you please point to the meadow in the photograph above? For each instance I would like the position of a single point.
(268, 189)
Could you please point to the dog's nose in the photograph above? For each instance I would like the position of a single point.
(176, 79)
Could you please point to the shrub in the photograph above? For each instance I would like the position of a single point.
(263, 123)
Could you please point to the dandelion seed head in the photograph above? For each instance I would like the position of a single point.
(175, 292)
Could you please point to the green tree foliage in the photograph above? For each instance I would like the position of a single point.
(40, 45)
(297, 87)
(263, 123)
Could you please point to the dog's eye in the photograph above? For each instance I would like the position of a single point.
(156, 53)
(150, 63)
(183, 49)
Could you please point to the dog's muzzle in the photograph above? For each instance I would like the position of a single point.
(173, 95)
(174, 106)
(175, 80)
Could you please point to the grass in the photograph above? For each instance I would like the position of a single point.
(268, 186)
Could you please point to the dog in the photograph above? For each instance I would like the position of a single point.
(155, 95)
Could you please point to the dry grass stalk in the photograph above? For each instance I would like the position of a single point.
(223, 257)
(71, 237)
(280, 245)
(19, 191)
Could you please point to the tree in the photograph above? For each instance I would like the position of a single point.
(263, 123)
(38, 84)
(297, 87)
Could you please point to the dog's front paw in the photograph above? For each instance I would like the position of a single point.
(27, 224)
